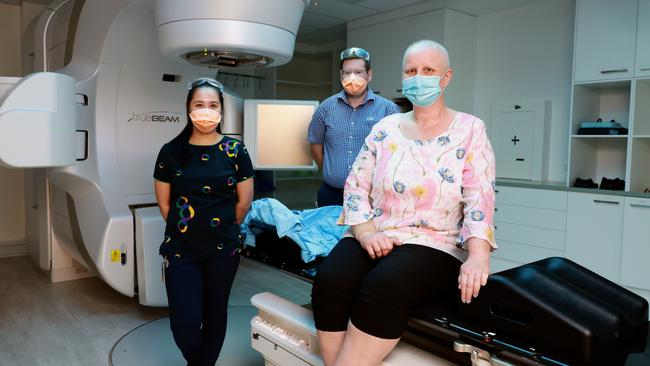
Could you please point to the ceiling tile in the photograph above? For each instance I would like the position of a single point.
(323, 36)
(339, 9)
(320, 21)
(385, 5)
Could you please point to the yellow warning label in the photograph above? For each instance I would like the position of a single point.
(115, 255)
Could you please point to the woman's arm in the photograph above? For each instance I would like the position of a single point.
(244, 199)
(476, 269)
(477, 231)
(163, 192)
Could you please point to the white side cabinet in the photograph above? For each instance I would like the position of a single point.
(605, 39)
(530, 225)
(635, 263)
(594, 230)
(642, 65)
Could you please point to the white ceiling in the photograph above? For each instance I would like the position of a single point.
(324, 20)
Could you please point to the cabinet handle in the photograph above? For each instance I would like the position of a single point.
(608, 202)
(612, 71)
(398, 90)
(644, 69)
(639, 205)
(496, 209)
(496, 191)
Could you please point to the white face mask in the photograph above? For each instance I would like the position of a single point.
(205, 119)
(354, 84)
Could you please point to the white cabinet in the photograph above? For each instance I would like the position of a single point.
(594, 229)
(635, 271)
(642, 65)
(529, 224)
(605, 39)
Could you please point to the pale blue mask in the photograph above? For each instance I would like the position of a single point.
(422, 90)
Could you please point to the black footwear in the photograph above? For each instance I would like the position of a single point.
(585, 183)
(612, 184)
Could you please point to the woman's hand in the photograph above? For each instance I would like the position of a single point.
(475, 271)
(377, 244)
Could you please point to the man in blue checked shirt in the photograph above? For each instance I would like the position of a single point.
(342, 122)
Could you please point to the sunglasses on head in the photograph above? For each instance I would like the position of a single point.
(355, 52)
(201, 81)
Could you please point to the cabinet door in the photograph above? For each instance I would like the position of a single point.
(635, 270)
(594, 230)
(513, 138)
(642, 66)
(605, 39)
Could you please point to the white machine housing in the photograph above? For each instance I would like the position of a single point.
(116, 103)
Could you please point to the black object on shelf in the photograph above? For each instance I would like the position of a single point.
(615, 184)
(602, 131)
(585, 183)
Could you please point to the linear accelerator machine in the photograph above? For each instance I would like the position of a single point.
(117, 96)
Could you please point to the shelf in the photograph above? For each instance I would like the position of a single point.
(605, 100)
(641, 136)
(598, 136)
(640, 165)
(605, 84)
(642, 108)
(598, 157)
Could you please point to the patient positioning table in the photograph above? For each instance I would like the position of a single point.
(550, 312)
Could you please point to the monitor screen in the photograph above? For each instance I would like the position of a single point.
(275, 133)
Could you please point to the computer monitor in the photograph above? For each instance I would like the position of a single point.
(275, 133)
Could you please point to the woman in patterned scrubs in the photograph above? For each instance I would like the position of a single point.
(420, 202)
(204, 188)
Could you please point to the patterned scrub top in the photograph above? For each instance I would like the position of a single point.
(436, 193)
(201, 222)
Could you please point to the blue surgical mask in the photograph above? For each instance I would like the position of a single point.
(422, 90)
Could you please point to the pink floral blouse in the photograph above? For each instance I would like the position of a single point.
(436, 193)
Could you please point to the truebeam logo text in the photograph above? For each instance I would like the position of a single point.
(156, 116)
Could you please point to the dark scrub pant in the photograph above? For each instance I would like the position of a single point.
(329, 196)
(377, 295)
(197, 292)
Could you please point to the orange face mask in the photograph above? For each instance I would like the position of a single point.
(205, 119)
(354, 84)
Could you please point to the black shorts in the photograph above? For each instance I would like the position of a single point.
(377, 295)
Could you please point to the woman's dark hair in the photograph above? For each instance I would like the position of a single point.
(179, 143)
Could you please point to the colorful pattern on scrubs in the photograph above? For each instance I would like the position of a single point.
(201, 222)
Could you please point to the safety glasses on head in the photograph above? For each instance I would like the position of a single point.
(201, 81)
(355, 52)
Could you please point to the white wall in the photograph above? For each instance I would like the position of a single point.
(13, 21)
(10, 40)
(527, 53)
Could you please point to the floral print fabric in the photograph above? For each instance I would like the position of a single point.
(436, 193)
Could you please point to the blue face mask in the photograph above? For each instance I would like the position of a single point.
(422, 90)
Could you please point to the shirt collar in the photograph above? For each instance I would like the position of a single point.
(344, 97)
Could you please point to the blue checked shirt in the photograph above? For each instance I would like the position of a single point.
(342, 130)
